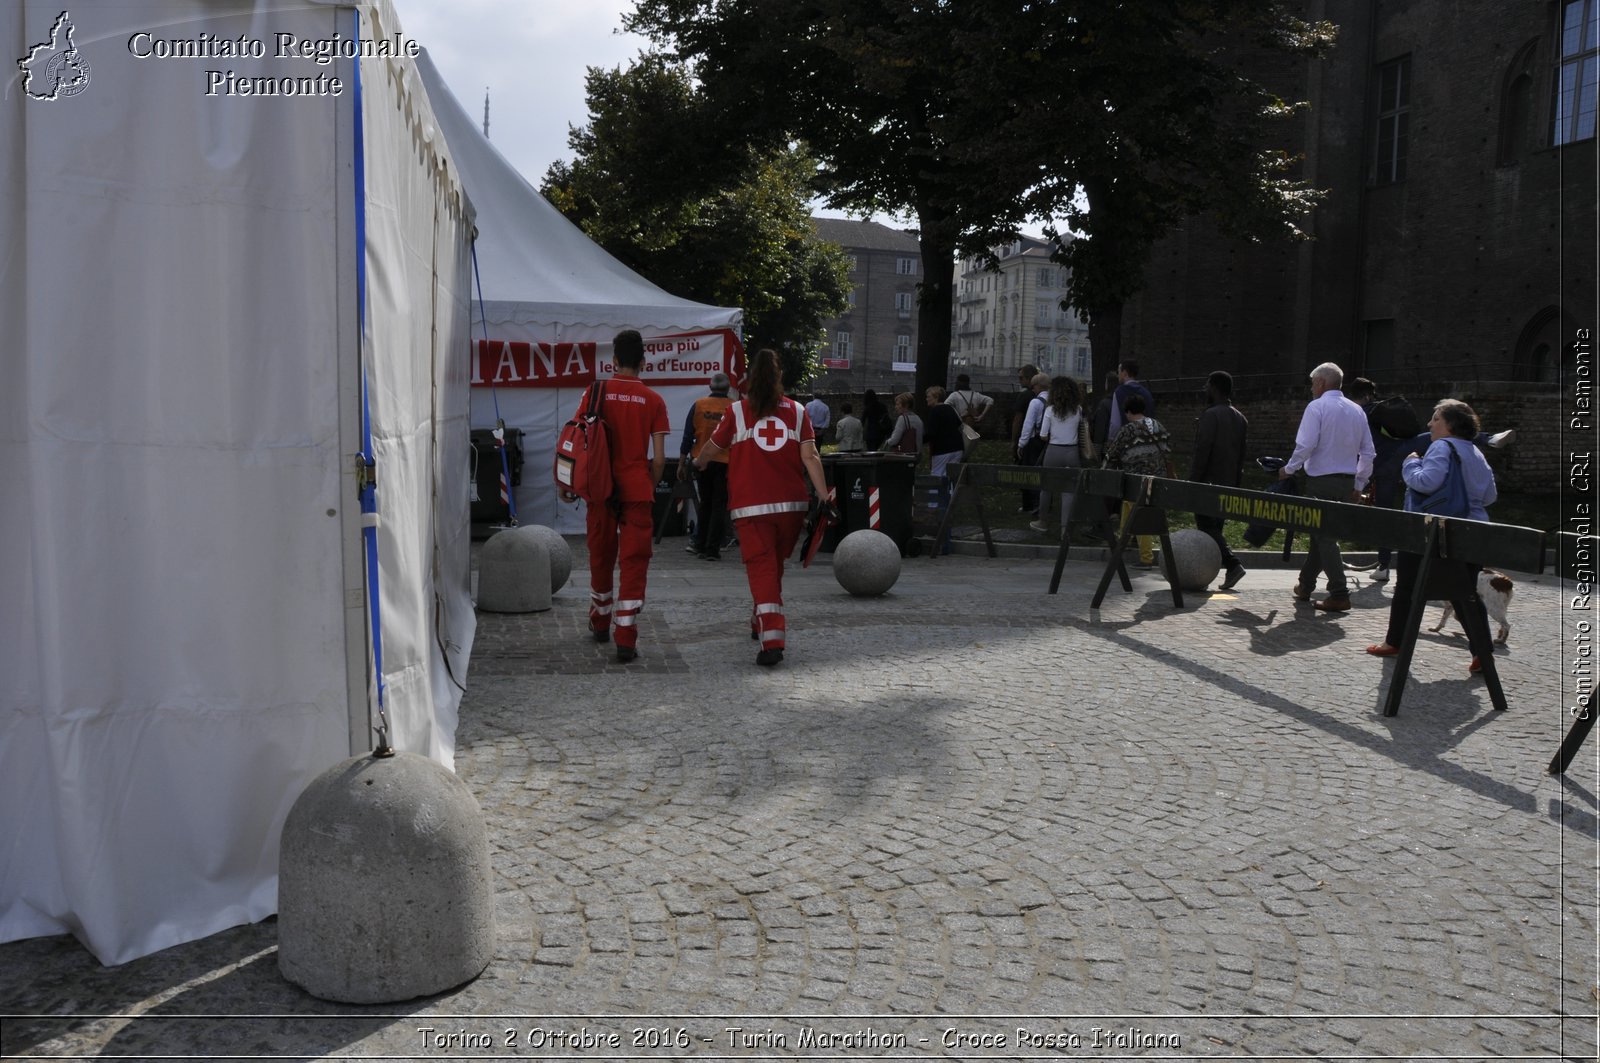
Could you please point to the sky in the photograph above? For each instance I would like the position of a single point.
(531, 55)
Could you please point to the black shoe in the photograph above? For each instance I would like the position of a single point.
(601, 635)
(769, 657)
(711, 557)
(626, 654)
(1235, 574)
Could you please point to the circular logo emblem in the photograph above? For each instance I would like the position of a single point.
(67, 73)
(771, 433)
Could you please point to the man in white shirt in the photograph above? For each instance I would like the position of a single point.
(1334, 447)
(1030, 444)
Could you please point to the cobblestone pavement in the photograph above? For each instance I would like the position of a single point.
(967, 819)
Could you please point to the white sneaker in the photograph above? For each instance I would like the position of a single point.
(1039, 526)
(1381, 574)
(1501, 439)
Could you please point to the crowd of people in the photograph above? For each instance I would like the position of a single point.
(757, 468)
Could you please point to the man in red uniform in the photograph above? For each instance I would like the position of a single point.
(619, 529)
(772, 452)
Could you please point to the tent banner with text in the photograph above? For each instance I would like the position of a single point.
(676, 359)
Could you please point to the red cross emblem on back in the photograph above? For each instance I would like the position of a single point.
(770, 433)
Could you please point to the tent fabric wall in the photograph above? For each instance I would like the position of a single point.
(544, 280)
(418, 226)
(176, 277)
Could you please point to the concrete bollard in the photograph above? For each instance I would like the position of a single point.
(514, 573)
(866, 563)
(384, 890)
(559, 550)
(1196, 557)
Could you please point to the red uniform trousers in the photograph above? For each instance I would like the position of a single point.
(618, 539)
(765, 541)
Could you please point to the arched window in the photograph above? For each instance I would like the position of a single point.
(1535, 357)
(1516, 106)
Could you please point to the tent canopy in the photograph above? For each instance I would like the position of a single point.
(544, 281)
(538, 270)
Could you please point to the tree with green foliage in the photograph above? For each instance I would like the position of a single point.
(720, 223)
(975, 117)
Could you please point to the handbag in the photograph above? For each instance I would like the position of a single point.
(1086, 451)
(908, 443)
(970, 434)
(583, 452)
(1450, 500)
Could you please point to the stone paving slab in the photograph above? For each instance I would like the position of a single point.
(965, 820)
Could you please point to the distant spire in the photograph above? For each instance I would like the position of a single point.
(486, 112)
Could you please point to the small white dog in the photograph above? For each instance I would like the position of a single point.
(1495, 588)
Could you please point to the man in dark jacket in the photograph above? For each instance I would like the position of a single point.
(1128, 374)
(1218, 457)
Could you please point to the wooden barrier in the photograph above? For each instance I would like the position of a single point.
(1451, 548)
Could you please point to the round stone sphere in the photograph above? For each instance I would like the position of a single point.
(384, 889)
(514, 573)
(557, 547)
(1196, 557)
(866, 563)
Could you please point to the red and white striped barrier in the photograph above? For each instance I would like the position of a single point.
(872, 507)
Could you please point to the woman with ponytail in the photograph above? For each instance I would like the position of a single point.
(772, 453)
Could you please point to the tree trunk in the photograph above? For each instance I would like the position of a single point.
(934, 302)
(1105, 341)
(1105, 306)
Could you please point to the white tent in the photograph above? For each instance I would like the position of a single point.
(545, 282)
(184, 642)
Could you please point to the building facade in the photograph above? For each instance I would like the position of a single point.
(1456, 145)
(1007, 318)
(873, 344)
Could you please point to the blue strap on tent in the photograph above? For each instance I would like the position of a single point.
(494, 393)
(368, 477)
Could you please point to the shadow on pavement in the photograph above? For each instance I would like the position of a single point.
(1412, 744)
(225, 998)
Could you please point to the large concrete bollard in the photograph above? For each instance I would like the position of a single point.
(866, 563)
(557, 547)
(384, 890)
(514, 573)
(1196, 557)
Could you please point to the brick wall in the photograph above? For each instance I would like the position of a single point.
(1482, 255)
(1534, 464)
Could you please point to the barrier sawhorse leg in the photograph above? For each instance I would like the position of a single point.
(949, 511)
(1143, 520)
(1581, 726)
(1453, 581)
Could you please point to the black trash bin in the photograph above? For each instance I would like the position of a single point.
(488, 507)
(854, 477)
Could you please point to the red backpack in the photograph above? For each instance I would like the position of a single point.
(583, 452)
